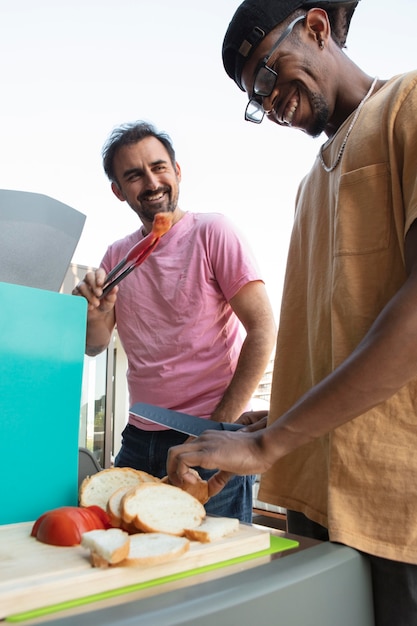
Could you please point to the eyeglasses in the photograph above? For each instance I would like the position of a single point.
(265, 79)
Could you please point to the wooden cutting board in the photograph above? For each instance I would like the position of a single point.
(35, 575)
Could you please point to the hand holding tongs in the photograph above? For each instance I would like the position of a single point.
(139, 252)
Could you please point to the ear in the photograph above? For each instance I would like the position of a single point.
(178, 171)
(318, 25)
(117, 192)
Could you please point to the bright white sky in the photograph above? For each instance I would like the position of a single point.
(73, 69)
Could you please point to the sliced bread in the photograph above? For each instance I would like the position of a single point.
(96, 489)
(161, 508)
(107, 547)
(114, 510)
(213, 528)
(154, 548)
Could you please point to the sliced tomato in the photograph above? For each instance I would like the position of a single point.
(65, 525)
(100, 513)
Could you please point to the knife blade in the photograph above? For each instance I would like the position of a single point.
(182, 422)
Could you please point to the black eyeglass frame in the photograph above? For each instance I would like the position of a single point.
(255, 100)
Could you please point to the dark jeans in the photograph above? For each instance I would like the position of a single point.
(394, 584)
(148, 451)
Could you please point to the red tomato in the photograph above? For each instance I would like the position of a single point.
(64, 526)
(100, 513)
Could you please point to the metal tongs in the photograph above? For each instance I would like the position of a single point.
(139, 252)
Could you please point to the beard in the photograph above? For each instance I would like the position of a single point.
(321, 115)
(147, 211)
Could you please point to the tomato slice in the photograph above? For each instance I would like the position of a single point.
(100, 513)
(65, 525)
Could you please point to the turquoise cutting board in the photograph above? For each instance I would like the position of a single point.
(42, 341)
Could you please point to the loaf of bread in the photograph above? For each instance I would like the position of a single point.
(97, 489)
(213, 528)
(107, 547)
(161, 508)
(155, 548)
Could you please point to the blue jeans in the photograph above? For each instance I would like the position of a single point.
(148, 451)
(394, 584)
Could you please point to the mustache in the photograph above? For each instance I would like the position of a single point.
(148, 194)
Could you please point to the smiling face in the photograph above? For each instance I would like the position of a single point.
(300, 97)
(146, 179)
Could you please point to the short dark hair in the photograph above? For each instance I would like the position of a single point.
(131, 133)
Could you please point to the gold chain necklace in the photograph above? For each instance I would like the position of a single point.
(352, 124)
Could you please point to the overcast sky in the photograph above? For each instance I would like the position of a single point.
(73, 69)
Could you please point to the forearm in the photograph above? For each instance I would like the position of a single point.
(99, 332)
(100, 317)
(253, 360)
(382, 363)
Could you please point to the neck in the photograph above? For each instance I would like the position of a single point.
(349, 101)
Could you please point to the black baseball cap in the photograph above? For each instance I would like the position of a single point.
(254, 19)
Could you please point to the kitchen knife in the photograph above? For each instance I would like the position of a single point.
(182, 422)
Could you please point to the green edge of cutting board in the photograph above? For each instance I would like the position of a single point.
(277, 544)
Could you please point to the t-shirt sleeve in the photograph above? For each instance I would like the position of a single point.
(231, 257)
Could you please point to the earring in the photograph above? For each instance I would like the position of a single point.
(321, 44)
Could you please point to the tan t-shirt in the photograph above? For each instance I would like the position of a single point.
(345, 262)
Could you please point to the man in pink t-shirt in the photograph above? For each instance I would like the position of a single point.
(195, 320)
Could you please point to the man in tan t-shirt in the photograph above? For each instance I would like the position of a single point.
(339, 451)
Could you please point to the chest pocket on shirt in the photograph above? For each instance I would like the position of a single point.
(363, 211)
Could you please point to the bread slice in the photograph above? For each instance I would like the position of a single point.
(161, 508)
(114, 510)
(97, 489)
(107, 547)
(113, 505)
(213, 528)
(199, 489)
(155, 548)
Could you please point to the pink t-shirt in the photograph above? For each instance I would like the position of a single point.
(180, 334)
